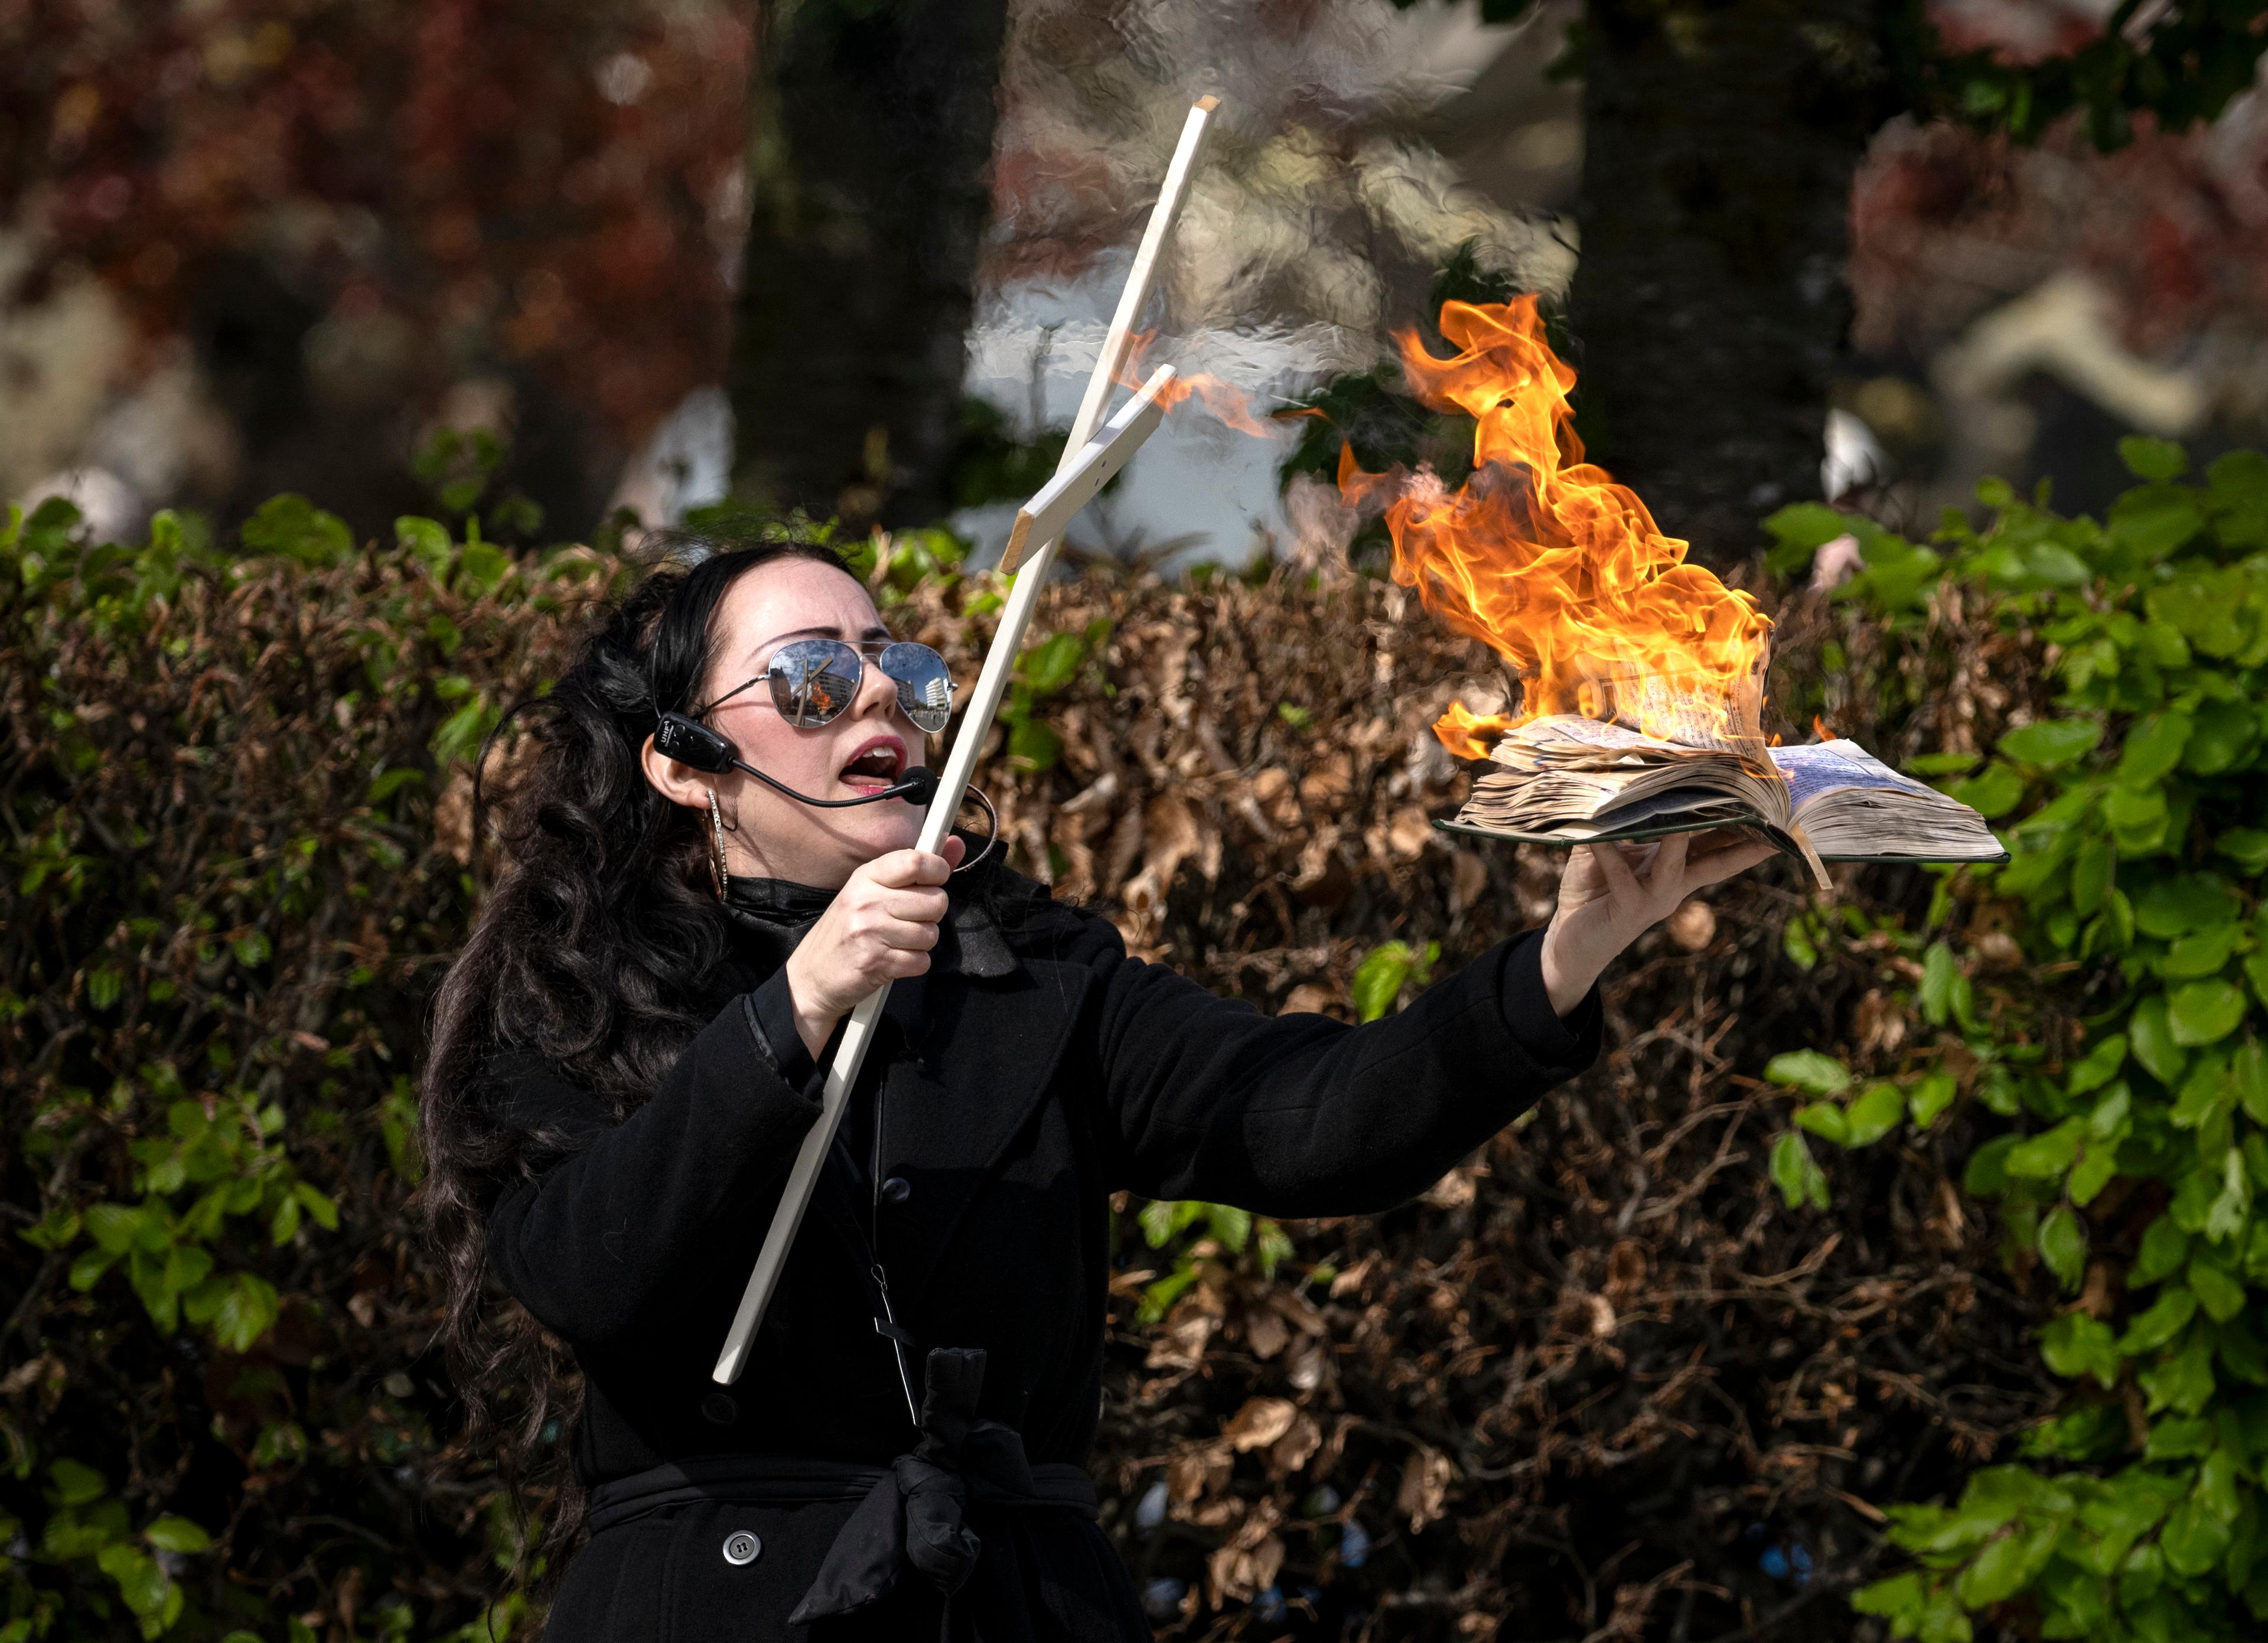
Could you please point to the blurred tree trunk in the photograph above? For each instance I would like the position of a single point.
(870, 135)
(1721, 137)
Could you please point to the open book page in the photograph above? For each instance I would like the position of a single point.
(1822, 766)
(1849, 803)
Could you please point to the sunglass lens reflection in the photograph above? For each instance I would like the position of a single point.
(924, 687)
(813, 681)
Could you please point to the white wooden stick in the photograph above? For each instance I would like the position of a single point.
(968, 746)
(1136, 296)
(1081, 479)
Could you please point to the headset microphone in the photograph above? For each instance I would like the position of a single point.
(690, 742)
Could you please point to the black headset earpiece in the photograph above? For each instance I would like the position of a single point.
(690, 742)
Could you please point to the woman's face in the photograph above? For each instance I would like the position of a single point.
(862, 750)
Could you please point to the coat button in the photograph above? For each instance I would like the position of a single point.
(897, 1190)
(719, 1410)
(741, 1548)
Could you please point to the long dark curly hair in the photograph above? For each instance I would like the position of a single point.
(590, 951)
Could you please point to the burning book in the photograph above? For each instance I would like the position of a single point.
(1639, 671)
(1564, 779)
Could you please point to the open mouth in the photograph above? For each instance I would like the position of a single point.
(876, 764)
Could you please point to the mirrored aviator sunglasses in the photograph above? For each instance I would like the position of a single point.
(814, 680)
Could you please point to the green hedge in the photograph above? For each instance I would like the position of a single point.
(2102, 991)
(225, 911)
(236, 846)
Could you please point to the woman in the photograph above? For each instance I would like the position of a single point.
(626, 1056)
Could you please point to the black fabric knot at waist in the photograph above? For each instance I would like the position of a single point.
(910, 1514)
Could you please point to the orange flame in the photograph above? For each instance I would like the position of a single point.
(1546, 559)
(1224, 402)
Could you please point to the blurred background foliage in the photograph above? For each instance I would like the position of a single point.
(667, 251)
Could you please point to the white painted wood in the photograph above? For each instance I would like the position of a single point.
(1136, 296)
(1094, 465)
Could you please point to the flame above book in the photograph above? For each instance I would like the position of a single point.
(1559, 570)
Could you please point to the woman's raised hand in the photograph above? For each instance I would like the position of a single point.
(1611, 894)
(880, 927)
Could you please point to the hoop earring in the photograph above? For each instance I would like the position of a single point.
(717, 873)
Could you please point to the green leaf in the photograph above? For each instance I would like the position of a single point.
(1874, 1115)
(1797, 1174)
(1994, 791)
(2100, 1065)
(319, 1206)
(1900, 1598)
(2075, 1344)
(2175, 905)
(2193, 1539)
(2152, 459)
(1825, 1120)
(2247, 1077)
(1939, 973)
(2166, 1317)
(1986, 1172)
(2152, 521)
(2247, 847)
(2152, 1036)
(2091, 871)
(1808, 1070)
(2063, 1246)
(2097, 1166)
(251, 948)
(2216, 1288)
(1942, 763)
(2139, 818)
(2000, 1570)
(388, 783)
(2204, 1012)
(1798, 531)
(176, 1533)
(2202, 953)
(1230, 1225)
(481, 568)
(2164, 1246)
(2051, 743)
(2046, 1154)
(291, 527)
(2204, 1094)
(425, 540)
(140, 1581)
(2222, 733)
(55, 1230)
(2154, 747)
(1378, 978)
(1034, 746)
(247, 1312)
(76, 1484)
(1931, 1096)
(1053, 663)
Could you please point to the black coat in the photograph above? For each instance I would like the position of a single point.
(1035, 1070)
